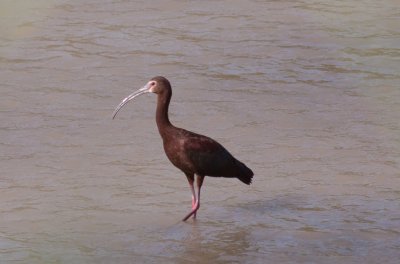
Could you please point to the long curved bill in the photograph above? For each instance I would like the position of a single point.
(141, 91)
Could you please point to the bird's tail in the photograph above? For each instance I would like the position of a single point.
(245, 174)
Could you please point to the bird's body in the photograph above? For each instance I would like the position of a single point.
(192, 153)
(197, 154)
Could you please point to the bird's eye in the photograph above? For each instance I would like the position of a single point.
(153, 83)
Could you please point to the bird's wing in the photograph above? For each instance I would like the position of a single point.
(208, 156)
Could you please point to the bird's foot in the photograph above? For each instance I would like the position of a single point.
(195, 207)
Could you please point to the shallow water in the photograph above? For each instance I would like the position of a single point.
(306, 93)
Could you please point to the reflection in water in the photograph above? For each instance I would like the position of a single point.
(306, 93)
(204, 241)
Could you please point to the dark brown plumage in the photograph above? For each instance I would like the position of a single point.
(192, 153)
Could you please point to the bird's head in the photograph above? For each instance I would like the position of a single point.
(157, 85)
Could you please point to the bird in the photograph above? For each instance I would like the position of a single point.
(195, 155)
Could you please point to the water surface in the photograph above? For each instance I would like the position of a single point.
(306, 93)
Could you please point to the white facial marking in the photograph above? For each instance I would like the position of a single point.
(152, 85)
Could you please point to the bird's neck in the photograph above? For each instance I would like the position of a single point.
(162, 118)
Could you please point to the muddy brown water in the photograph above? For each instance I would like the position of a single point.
(306, 93)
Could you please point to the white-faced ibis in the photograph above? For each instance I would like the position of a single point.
(192, 153)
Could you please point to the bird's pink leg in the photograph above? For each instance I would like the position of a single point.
(190, 178)
(196, 205)
(193, 198)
